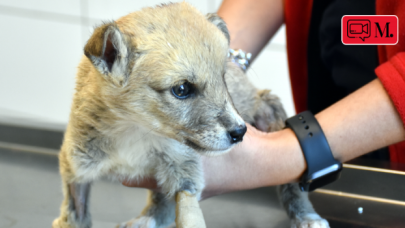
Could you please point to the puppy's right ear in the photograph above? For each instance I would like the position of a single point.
(107, 49)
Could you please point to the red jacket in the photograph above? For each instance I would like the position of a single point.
(391, 71)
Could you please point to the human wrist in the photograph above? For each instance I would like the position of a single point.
(262, 159)
(270, 159)
(292, 155)
(278, 159)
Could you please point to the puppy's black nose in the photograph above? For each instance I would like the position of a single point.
(237, 134)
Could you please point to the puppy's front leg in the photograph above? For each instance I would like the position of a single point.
(299, 208)
(159, 212)
(186, 180)
(74, 210)
(173, 176)
(188, 212)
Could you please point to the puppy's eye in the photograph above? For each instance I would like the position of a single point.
(182, 91)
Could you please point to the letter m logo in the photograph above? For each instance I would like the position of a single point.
(386, 30)
(370, 29)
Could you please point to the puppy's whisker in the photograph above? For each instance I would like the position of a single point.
(252, 71)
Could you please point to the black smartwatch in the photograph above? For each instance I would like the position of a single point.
(322, 167)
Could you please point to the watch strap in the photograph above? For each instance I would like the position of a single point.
(318, 155)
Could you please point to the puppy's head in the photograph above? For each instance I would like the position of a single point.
(164, 68)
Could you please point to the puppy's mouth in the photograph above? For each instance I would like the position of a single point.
(201, 149)
(195, 146)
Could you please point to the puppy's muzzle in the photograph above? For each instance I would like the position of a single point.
(237, 134)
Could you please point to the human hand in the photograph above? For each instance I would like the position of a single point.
(148, 182)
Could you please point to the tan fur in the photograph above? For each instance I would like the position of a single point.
(125, 121)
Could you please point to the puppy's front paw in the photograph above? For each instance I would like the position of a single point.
(69, 222)
(141, 222)
(309, 221)
(58, 223)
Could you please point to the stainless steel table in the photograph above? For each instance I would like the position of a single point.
(30, 193)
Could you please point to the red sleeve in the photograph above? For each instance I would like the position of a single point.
(392, 76)
(297, 17)
(391, 72)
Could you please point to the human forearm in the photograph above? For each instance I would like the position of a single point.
(251, 23)
(362, 122)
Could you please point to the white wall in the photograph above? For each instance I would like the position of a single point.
(41, 45)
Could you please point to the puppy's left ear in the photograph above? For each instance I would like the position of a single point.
(217, 21)
(108, 50)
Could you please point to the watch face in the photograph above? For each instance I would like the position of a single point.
(312, 184)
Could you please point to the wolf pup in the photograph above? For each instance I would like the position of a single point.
(151, 97)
